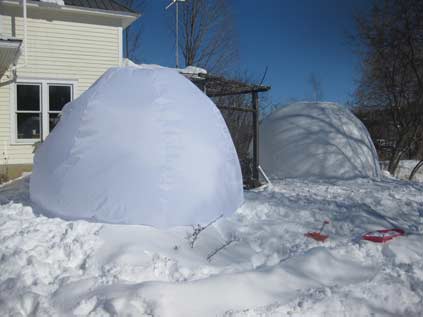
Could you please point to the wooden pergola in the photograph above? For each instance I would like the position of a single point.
(217, 86)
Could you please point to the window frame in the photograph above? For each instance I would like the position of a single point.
(47, 121)
(44, 105)
(39, 112)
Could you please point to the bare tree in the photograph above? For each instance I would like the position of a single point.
(416, 169)
(391, 38)
(316, 87)
(207, 35)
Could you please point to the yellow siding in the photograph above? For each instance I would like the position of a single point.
(58, 48)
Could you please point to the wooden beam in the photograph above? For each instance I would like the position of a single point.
(237, 109)
(220, 86)
(237, 92)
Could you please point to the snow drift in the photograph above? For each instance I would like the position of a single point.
(316, 139)
(52, 267)
(141, 146)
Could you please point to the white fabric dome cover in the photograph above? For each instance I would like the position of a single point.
(143, 145)
(316, 140)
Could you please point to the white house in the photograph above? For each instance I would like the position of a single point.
(50, 52)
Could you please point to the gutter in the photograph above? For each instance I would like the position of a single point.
(25, 37)
(126, 17)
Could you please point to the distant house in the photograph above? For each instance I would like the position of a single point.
(51, 51)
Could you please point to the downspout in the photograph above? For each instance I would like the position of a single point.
(25, 37)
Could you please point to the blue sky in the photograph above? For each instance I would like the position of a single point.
(293, 38)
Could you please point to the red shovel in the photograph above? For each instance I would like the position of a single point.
(318, 236)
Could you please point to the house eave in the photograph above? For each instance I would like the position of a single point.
(9, 53)
(126, 18)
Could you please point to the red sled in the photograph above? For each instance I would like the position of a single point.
(316, 236)
(382, 236)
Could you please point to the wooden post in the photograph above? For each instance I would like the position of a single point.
(256, 113)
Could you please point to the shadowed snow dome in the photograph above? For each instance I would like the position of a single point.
(143, 145)
(316, 139)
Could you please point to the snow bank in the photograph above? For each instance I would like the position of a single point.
(193, 70)
(142, 146)
(404, 169)
(216, 295)
(322, 140)
(189, 71)
(53, 267)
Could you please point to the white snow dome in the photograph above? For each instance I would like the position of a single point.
(316, 140)
(143, 145)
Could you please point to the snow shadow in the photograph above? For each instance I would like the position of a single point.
(353, 207)
(17, 191)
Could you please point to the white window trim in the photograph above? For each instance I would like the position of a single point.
(40, 111)
(44, 83)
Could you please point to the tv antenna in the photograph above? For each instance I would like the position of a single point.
(175, 2)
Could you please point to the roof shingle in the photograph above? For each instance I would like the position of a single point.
(108, 5)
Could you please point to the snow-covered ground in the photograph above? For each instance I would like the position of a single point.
(51, 267)
(405, 168)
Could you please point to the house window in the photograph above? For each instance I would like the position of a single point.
(38, 108)
(59, 95)
(28, 111)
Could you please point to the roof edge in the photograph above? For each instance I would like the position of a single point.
(128, 16)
